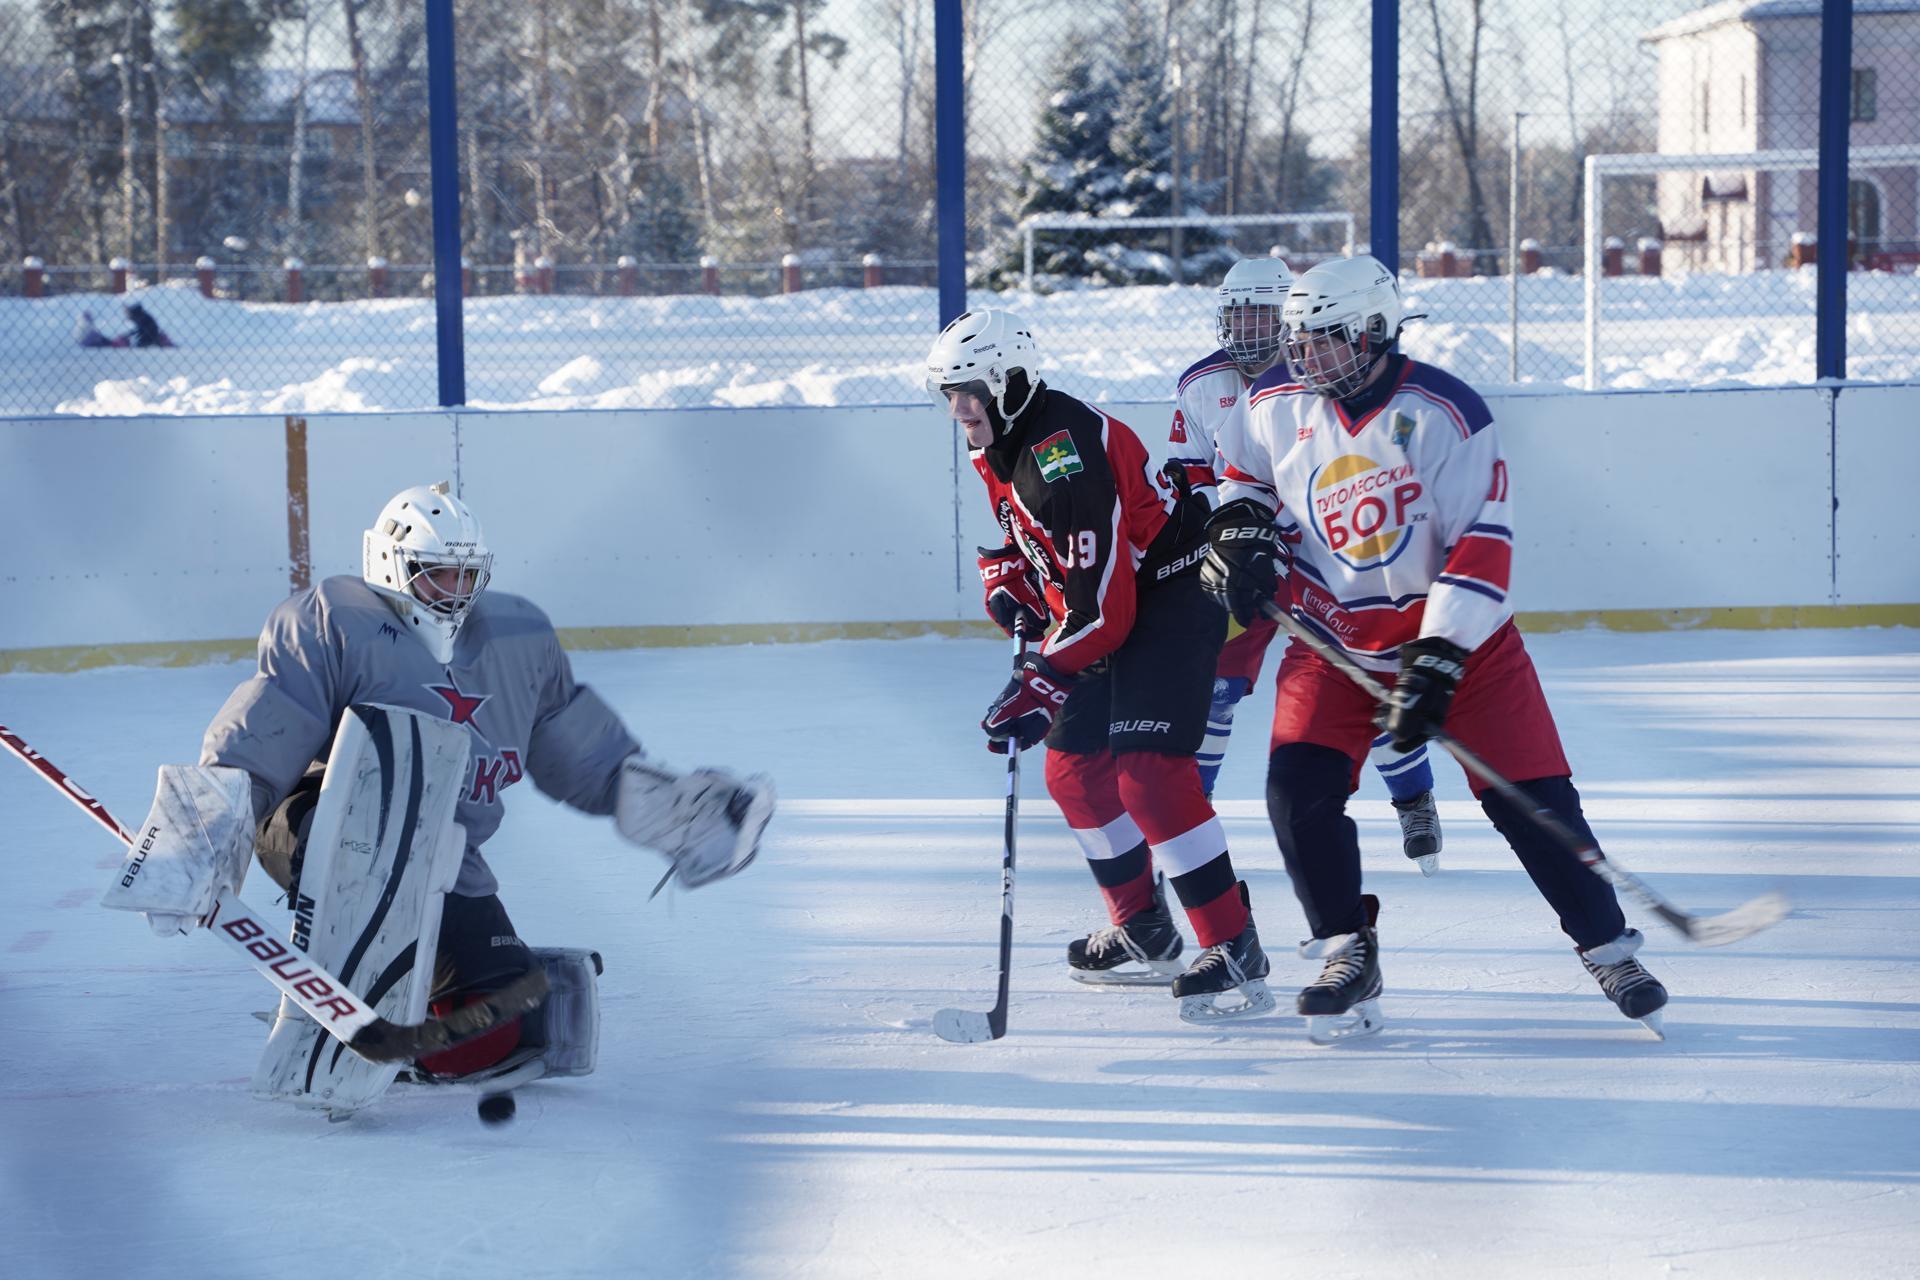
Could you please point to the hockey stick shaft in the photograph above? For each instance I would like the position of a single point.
(322, 996)
(1746, 919)
(964, 1026)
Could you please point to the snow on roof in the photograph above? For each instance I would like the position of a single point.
(1761, 10)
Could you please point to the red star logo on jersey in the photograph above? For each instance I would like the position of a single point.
(461, 707)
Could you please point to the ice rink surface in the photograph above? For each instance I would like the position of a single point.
(771, 1101)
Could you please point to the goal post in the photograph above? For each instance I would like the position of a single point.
(1038, 222)
(1652, 164)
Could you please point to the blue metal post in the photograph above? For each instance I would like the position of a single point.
(950, 147)
(1383, 203)
(443, 151)
(1830, 260)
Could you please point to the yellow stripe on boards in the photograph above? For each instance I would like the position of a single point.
(187, 653)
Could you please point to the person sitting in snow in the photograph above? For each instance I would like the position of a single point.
(146, 330)
(87, 334)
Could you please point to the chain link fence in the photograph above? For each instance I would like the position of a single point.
(732, 202)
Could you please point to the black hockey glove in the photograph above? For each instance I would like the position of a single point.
(1242, 571)
(1025, 708)
(1429, 669)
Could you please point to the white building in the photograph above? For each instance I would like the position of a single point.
(1745, 76)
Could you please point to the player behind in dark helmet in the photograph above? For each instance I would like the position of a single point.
(365, 764)
(1104, 556)
(1389, 475)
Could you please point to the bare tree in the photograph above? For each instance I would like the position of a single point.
(1463, 120)
(363, 98)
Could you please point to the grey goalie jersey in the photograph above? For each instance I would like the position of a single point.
(338, 643)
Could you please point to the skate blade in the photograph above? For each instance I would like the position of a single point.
(1364, 1019)
(1203, 1010)
(1157, 973)
(1655, 1022)
(1429, 863)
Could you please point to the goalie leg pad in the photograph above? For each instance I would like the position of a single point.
(568, 1024)
(382, 852)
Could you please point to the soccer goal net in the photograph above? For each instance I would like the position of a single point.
(1317, 234)
(1735, 213)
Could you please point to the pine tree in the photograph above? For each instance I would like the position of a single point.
(1104, 148)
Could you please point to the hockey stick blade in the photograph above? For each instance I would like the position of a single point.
(1743, 921)
(964, 1026)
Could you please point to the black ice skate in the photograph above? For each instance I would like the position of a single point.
(1343, 1003)
(1633, 990)
(1420, 831)
(1142, 952)
(1237, 965)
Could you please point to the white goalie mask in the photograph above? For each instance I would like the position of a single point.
(990, 355)
(1342, 318)
(427, 557)
(1246, 312)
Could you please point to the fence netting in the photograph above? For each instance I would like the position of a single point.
(225, 205)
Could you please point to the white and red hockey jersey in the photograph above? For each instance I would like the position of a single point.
(1397, 519)
(1210, 389)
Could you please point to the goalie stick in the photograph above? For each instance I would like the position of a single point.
(1743, 921)
(323, 996)
(965, 1026)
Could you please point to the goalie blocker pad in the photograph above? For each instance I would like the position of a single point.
(382, 853)
(196, 840)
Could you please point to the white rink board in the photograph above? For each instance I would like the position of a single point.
(714, 516)
(124, 531)
(127, 530)
(1877, 459)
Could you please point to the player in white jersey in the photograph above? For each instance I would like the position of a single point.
(1248, 324)
(1381, 479)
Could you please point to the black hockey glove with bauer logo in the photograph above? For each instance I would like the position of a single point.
(1025, 709)
(1242, 569)
(1430, 668)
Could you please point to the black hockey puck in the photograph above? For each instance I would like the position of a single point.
(496, 1108)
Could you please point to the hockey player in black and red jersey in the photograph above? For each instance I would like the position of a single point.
(1119, 688)
(418, 636)
(1389, 475)
(1248, 324)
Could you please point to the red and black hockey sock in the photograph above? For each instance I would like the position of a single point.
(1086, 787)
(1162, 793)
(1211, 895)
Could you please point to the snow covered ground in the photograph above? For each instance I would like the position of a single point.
(853, 346)
(771, 1101)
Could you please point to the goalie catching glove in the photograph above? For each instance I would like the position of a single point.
(708, 823)
(1243, 566)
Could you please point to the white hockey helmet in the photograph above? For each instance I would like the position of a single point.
(427, 557)
(990, 354)
(1342, 315)
(1246, 312)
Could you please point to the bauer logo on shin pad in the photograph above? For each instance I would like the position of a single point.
(382, 854)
